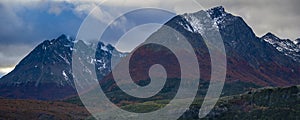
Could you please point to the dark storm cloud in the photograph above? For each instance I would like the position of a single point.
(11, 41)
(23, 28)
(11, 26)
(10, 53)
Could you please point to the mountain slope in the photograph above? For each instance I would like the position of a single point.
(250, 59)
(46, 72)
(285, 46)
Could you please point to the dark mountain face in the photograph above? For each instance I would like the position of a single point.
(250, 58)
(46, 73)
(50, 59)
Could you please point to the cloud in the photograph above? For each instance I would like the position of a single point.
(277, 16)
(56, 8)
(10, 54)
(24, 25)
(82, 9)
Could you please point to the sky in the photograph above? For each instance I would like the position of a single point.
(25, 24)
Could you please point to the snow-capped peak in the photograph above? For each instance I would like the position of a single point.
(269, 34)
(195, 24)
(63, 40)
(271, 38)
(297, 41)
(197, 20)
(217, 11)
(104, 47)
(285, 46)
(218, 14)
(65, 37)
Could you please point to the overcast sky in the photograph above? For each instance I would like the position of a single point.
(25, 24)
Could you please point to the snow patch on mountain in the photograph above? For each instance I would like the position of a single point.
(297, 41)
(198, 23)
(195, 23)
(286, 46)
(186, 26)
(218, 14)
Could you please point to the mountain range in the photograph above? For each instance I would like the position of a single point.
(252, 61)
(46, 72)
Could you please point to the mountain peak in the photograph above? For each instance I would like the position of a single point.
(49, 68)
(297, 41)
(286, 46)
(63, 36)
(62, 40)
(217, 11)
(270, 35)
